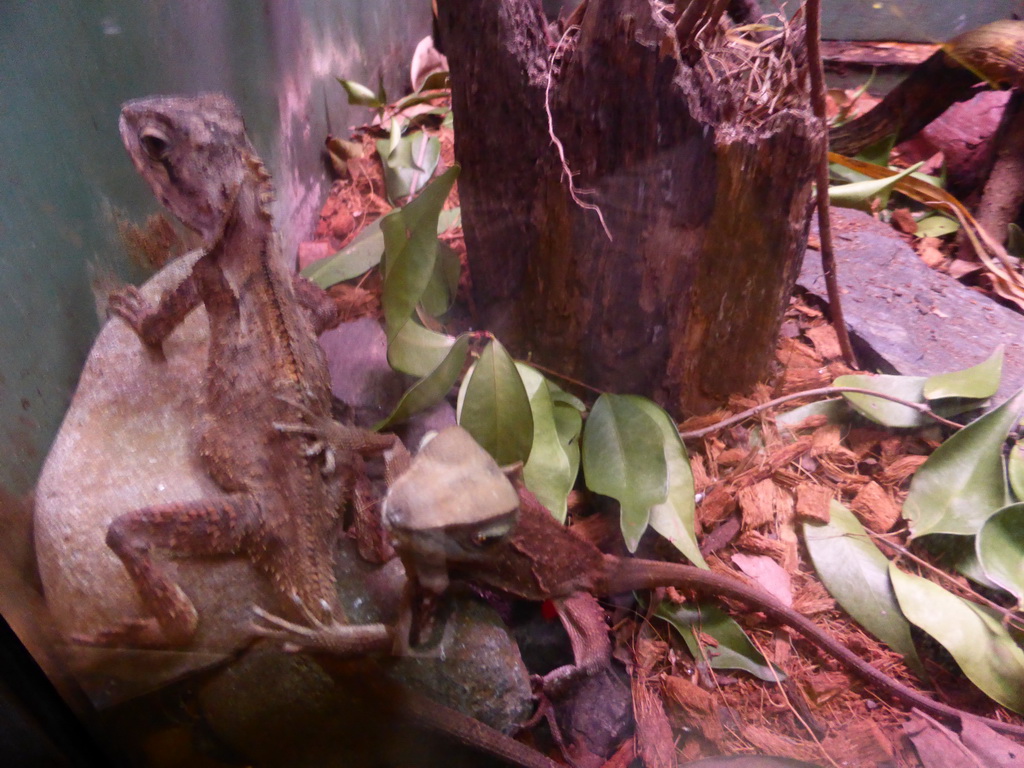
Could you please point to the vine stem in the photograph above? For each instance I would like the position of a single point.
(812, 9)
(821, 391)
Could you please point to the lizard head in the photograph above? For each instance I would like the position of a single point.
(193, 153)
(453, 504)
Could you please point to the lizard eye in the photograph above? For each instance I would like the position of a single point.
(485, 537)
(155, 144)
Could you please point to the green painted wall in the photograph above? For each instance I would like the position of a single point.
(65, 67)
(925, 21)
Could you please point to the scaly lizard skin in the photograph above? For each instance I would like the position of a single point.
(448, 527)
(266, 377)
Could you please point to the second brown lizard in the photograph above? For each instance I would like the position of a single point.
(455, 517)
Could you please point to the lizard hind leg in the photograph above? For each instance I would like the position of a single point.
(584, 622)
(213, 526)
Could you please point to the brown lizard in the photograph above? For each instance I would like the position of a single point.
(283, 492)
(470, 525)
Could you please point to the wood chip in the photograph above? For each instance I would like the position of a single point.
(730, 457)
(699, 705)
(825, 341)
(757, 504)
(826, 439)
(812, 502)
(875, 508)
(755, 541)
(794, 354)
(931, 256)
(715, 508)
(701, 478)
(900, 470)
(655, 743)
(903, 221)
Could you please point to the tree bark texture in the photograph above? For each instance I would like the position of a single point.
(702, 174)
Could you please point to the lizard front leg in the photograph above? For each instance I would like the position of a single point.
(584, 621)
(215, 526)
(332, 438)
(154, 323)
(320, 309)
(343, 448)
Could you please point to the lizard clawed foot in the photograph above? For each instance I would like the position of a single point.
(294, 636)
(130, 305)
(315, 447)
(317, 427)
(335, 638)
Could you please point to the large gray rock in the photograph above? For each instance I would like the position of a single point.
(128, 441)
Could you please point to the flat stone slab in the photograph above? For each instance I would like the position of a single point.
(907, 318)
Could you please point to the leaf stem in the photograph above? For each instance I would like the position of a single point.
(921, 408)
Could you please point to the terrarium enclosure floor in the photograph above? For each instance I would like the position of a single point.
(905, 318)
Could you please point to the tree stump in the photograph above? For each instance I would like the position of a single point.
(696, 146)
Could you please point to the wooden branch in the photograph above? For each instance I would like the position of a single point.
(812, 9)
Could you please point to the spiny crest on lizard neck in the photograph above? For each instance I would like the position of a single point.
(194, 153)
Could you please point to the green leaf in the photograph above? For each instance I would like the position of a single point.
(1000, 548)
(886, 412)
(1015, 240)
(978, 382)
(395, 236)
(878, 152)
(409, 161)
(414, 99)
(386, 149)
(1015, 469)
(674, 518)
(559, 395)
(550, 471)
(354, 259)
(958, 553)
(365, 251)
(856, 574)
(360, 95)
(624, 457)
(428, 204)
(432, 388)
(410, 245)
(444, 282)
(734, 649)
(494, 407)
(569, 424)
(449, 218)
(963, 481)
(408, 273)
(859, 193)
(435, 81)
(936, 225)
(417, 350)
(971, 633)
